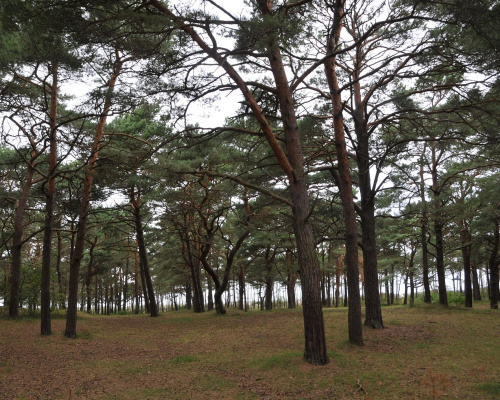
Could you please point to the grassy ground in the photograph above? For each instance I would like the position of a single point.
(424, 353)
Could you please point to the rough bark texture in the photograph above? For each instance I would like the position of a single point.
(81, 229)
(345, 184)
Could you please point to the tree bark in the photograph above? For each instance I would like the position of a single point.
(17, 240)
(292, 165)
(466, 258)
(344, 182)
(423, 235)
(45, 326)
(438, 231)
(494, 266)
(135, 201)
(78, 251)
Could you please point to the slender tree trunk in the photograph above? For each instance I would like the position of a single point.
(466, 257)
(136, 275)
(62, 291)
(17, 240)
(77, 256)
(338, 281)
(438, 231)
(494, 267)
(241, 288)
(210, 293)
(45, 326)
(475, 283)
(423, 234)
(135, 201)
(345, 183)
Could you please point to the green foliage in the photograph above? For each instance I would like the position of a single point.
(456, 298)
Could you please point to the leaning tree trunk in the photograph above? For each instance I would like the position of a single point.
(292, 165)
(345, 184)
(81, 229)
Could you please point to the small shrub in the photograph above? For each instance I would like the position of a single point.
(456, 298)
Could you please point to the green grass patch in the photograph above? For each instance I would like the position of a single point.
(490, 387)
(185, 359)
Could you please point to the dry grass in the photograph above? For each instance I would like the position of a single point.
(424, 353)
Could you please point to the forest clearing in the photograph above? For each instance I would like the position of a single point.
(425, 352)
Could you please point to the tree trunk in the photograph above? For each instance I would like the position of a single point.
(210, 306)
(345, 184)
(493, 267)
(135, 201)
(292, 165)
(77, 255)
(62, 291)
(290, 290)
(17, 240)
(423, 235)
(466, 257)
(438, 231)
(241, 289)
(476, 290)
(45, 326)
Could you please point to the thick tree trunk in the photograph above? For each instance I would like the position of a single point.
(78, 251)
(292, 165)
(17, 240)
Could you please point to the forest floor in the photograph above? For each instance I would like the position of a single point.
(425, 352)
